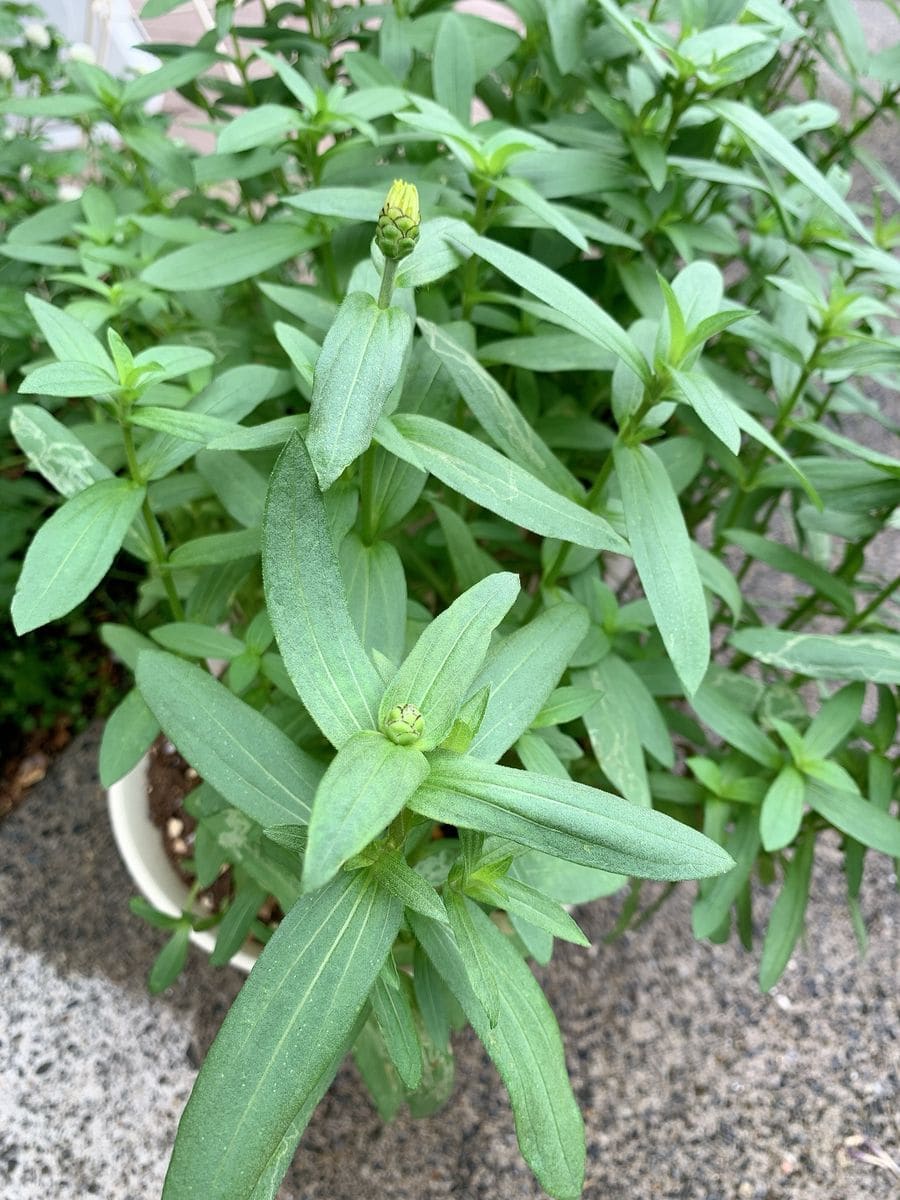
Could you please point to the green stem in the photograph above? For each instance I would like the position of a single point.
(652, 394)
(387, 282)
(157, 541)
(877, 600)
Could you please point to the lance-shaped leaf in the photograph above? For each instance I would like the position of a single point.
(566, 819)
(281, 1038)
(376, 594)
(359, 365)
(522, 672)
(72, 551)
(228, 257)
(474, 954)
(761, 133)
(366, 785)
(54, 450)
(128, 734)
(870, 657)
(572, 304)
(782, 809)
(67, 337)
(527, 902)
(393, 1012)
(526, 1049)
(237, 751)
(662, 554)
(408, 885)
(786, 921)
(496, 413)
(68, 379)
(439, 670)
(497, 483)
(305, 598)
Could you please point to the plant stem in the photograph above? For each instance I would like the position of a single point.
(387, 282)
(652, 393)
(877, 600)
(157, 541)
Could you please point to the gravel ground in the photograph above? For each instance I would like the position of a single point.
(693, 1086)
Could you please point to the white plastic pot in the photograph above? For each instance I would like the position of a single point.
(141, 846)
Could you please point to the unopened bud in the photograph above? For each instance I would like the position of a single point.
(404, 724)
(398, 225)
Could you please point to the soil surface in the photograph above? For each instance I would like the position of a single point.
(692, 1084)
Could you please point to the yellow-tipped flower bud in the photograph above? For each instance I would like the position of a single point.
(398, 225)
(404, 724)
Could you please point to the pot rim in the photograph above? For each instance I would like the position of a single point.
(141, 847)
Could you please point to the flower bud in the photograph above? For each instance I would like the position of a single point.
(404, 724)
(398, 225)
(7, 66)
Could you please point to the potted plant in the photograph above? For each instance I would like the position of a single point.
(486, 486)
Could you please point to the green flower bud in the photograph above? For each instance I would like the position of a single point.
(398, 225)
(404, 724)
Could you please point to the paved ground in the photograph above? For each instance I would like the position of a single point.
(693, 1086)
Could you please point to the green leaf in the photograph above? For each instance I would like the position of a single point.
(295, 83)
(230, 397)
(62, 105)
(714, 410)
(216, 548)
(54, 450)
(834, 721)
(782, 809)
(191, 426)
(569, 820)
(442, 665)
(479, 969)
(496, 413)
(723, 716)
(858, 818)
(869, 657)
(170, 961)
(197, 641)
(786, 921)
(67, 337)
(563, 297)
(782, 558)
(360, 363)
(521, 673)
(376, 594)
(173, 361)
(661, 548)
(714, 903)
(68, 379)
(322, 651)
(523, 901)
(452, 68)
(407, 885)
(235, 926)
(246, 758)
(367, 783)
(257, 127)
(526, 1049)
(130, 730)
(547, 213)
(228, 258)
(72, 552)
(284, 1035)
(761, 133)
(172, 75)
(393, 1013)
(500, 485)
